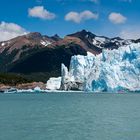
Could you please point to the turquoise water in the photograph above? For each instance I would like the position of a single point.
(70, 117)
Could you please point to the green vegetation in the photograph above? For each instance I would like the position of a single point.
(12, 79)
(41, 76)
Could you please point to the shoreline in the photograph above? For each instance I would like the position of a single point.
(39, 87)
(33, 91)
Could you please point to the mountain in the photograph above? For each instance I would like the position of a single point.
(20, 47)
(39, 57)
(95, 44)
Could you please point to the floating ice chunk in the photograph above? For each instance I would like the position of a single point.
(53, 83)
(37, 89)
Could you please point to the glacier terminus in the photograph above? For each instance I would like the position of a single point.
(116, 70)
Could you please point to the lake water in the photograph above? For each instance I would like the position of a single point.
(69, 116)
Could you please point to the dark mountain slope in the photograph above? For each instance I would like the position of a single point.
(47, 61)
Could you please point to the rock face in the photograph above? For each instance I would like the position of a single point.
(32, 86)
(95, 44)
(110, 71)
(4, 87)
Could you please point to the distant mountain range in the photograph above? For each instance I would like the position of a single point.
(39, 57)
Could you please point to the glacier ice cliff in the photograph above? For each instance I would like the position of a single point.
(68, 81)
(111, 71)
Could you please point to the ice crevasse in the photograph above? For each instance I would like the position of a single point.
(111, 71)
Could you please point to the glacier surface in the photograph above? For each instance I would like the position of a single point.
(111, 71)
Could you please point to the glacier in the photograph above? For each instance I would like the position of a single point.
(115, 70)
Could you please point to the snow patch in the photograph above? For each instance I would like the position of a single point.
(99, 41)
(2, 44)
(45, 43)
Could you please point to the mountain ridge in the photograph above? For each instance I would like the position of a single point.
(35, 53)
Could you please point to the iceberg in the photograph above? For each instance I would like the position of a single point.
(115, 70)
(37, 89)
(25, 90)
(53, 83)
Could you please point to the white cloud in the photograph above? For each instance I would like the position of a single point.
(130, 34)
(117, 18)
(79, 17)
(41, 12)
(10, 30)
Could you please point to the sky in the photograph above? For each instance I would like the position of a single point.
(102, 17)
